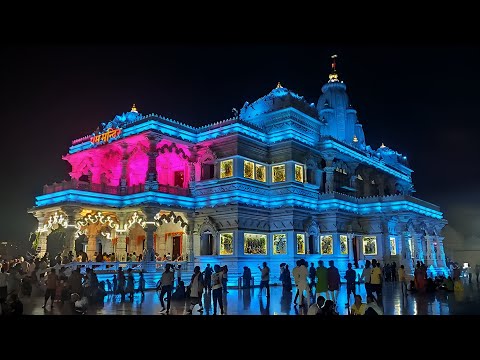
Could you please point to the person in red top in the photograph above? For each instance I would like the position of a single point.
(51, 287)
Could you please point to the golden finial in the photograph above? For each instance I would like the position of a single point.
(333, 77)
(134, 109)
(279, 86)
(383, 146)
(355, 139)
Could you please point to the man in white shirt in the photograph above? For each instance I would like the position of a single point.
(300, 274)
(372, 307)
(316, 308)
(366, 276)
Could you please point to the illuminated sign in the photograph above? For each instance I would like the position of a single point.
(107, 135)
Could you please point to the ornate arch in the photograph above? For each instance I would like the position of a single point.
(95, 218)
(172, 148)
(171, 217)
(208, 225)
(206, 156)
(311, 227)
(55, 220)
(342, 165)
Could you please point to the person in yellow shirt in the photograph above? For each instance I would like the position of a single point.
(358, 308)
(402, 279)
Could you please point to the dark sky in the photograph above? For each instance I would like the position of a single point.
(419, 100)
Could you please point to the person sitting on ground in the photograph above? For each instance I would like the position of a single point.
(316, 308)
(329, 308)
(358, 308)
(372, 306)
(179, 293)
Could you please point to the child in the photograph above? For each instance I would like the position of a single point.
(109, 285)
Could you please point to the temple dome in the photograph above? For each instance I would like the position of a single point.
(278, 99)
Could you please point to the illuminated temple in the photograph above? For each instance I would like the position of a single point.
(283, 179)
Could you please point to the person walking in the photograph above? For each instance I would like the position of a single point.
(333, 278)
(207, 277)
(166, 283)
(322, 280)
(196, 290)
(51, 288)
(265, 279)
(402, 280)
(300, 275)
(350, 276)
(141, 284)
(217, 289)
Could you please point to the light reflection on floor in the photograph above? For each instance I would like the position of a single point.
(248, 302)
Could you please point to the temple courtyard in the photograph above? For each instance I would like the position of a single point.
(250, 302)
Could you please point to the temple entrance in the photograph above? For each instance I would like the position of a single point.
(178, 178)
(80, 243)
(206, 243)
(177, 247)
(55, 244)
(311, 244)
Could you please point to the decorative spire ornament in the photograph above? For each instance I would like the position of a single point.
(333, 77)
(279, 86)
(134, 109)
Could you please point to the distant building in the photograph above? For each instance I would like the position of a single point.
(282, 180)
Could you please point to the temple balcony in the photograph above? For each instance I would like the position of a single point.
(111, 190)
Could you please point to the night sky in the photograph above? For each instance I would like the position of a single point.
(421, 101)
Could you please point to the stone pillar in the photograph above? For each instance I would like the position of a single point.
(420, 256)
(150, 253)
(329, 183)
(441, 261)
(121, 247)
(151, 183)
(351, 258)
(42, 243)
(191, 169)
(92, 246)
(406, 260)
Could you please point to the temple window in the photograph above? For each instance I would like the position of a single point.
(301, 244)
(226, 244)
(278, 172)
(393, 246)
(178, 178)
(311, 176)
(248, 170)
(299, 173)
(326, 247)
(343, 245)
(260, 173)
(370, 245)
(208, 171)
(84, 178)
(255, 244)
(279, 244)
(226, 169)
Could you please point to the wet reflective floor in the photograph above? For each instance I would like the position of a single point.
(250, 302)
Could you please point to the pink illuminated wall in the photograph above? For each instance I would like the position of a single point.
(103, 165)
(172, 164)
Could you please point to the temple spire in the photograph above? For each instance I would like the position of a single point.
(333, 77)
(134, 109)
(279, 86)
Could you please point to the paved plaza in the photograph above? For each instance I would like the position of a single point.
(249, 302)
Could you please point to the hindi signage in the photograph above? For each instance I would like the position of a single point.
(106, 136)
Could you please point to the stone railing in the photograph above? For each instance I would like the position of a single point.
(112, 190)
(373, 199)
(137, 266)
